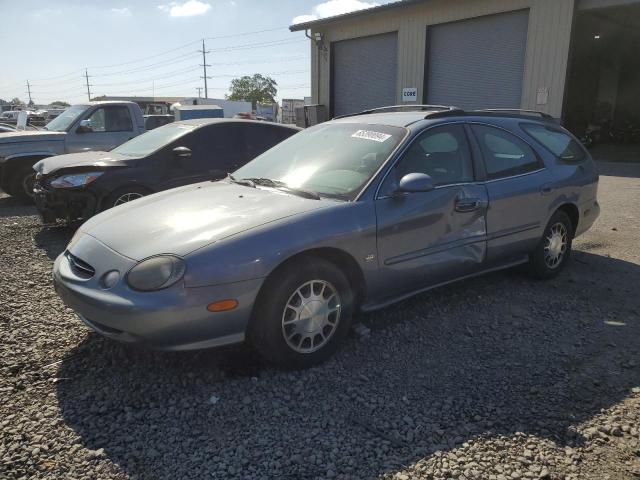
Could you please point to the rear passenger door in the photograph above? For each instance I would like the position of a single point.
(518, 185)
(261, 137)
(219, 149)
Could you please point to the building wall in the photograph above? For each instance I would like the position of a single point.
(546, 56)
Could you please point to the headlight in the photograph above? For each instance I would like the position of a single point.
(75, 180)
(156, 273)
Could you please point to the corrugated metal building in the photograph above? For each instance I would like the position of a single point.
(469, 53)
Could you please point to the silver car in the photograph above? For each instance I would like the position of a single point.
(350, 215)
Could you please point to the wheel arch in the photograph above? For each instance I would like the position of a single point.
(338, 257)
(18, 160)
(572, 212)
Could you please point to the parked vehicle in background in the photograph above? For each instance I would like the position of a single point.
(88, 126)
(53, 113)
(269, 111)
(10, 116)
(76, 186)
(187, 112)
(289, 110)
(352, 214)
(155, 121)
(5, 127)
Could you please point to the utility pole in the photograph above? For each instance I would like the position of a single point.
(29, 92)
(204, 65)
(86, 76)
(199, 92)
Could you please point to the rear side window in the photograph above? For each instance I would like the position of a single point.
(558, 142)
(261, 137)
(505, 155)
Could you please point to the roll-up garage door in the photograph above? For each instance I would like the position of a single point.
(364, 72)
(477, 63)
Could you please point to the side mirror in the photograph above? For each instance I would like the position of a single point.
(182, 152)
(416, 182)
(84, 127)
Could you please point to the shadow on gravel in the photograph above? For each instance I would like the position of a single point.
(13, 207)
(495, 355)
(53, 240)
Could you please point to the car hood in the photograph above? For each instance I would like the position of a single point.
(83, 159)
(185, 219)
(31, 136)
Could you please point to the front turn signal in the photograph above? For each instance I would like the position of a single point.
(222, 305)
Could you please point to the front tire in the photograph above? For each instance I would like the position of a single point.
(302, 315)
(22, 183)
(554, 249)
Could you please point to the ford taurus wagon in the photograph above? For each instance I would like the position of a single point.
(350, 215)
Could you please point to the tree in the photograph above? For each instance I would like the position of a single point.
(254, 89)
(17, 101)
(60, 103)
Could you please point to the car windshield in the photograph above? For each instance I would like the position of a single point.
(332, 159)
(63, 121)
(152, 140)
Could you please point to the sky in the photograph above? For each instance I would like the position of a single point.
(147, 47)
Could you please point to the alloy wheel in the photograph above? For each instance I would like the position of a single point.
(127, 197)
(27, 184)
(311, 316)
(555, 245)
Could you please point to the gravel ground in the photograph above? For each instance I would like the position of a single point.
(499, 377)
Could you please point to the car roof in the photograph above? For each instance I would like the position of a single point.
(397, 119)
(200, 122)
(407, 115)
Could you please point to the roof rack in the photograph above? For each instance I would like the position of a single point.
(409, 108)
(516, 110)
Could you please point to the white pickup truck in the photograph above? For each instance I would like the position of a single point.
(98, 126)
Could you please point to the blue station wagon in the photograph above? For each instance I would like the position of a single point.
(350, 215)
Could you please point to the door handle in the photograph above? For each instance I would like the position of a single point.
(468, 204)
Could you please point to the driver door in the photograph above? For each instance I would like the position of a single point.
(109, 126)
(425, 238)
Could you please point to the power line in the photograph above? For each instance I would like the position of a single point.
(150, 79)
(64, 76)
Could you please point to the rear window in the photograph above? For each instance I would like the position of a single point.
(558, 142)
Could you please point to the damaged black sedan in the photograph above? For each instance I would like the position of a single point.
(79, 185)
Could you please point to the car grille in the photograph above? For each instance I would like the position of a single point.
(80, 267)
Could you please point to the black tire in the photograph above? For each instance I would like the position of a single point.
(21, 184)
(267, 329)
(118, 193)
(541, 262)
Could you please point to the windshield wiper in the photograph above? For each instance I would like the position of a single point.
(301, 192)
(245, 181)
(277, 184)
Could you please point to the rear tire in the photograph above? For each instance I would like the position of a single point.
(554, 248)
(124, 195)
(302, 315)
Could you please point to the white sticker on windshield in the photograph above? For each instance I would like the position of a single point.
(369, 135)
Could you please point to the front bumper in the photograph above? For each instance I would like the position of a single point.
(175, 318)
(65, 204)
